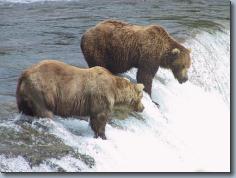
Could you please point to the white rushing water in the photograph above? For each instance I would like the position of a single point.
(190, 131)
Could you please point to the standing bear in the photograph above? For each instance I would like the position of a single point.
(53, 87)
(119, 46)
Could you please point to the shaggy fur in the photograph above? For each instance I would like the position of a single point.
(53, 87)
(119, 46)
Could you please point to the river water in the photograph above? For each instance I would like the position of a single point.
(189, 132)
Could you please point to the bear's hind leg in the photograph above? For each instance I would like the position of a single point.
(98, 124)
(39, 109)
(44, 113)
(95, 58)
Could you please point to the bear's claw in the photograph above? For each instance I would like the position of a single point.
(156, 104)
(102, 136)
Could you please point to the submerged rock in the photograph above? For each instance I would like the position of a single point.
(37, 145)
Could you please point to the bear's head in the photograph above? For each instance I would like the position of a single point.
(180, 64)
(128, 97)
(179, 61)
(136, 103)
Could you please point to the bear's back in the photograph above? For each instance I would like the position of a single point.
(108, 26)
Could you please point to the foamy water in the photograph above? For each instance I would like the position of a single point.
(190, 131)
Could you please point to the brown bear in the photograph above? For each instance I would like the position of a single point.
(53, 87)
(119, 46)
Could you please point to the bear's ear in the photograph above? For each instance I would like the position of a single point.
(175, 51)
(127, 79)
(139, 87)
(190, 50)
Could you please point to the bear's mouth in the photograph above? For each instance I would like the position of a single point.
(121, 112)
(139, 109)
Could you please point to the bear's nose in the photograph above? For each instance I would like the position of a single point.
(182, 80)
(141, 108)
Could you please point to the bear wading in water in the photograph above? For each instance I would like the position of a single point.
(119, 46)
(52, 87)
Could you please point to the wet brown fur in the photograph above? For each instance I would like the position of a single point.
(119, 46)
(52, 87)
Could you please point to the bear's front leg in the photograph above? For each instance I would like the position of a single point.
(98, 124)
(145, 77)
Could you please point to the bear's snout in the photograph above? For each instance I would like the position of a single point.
(181, 75)
(139, 108)
(182, 80)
